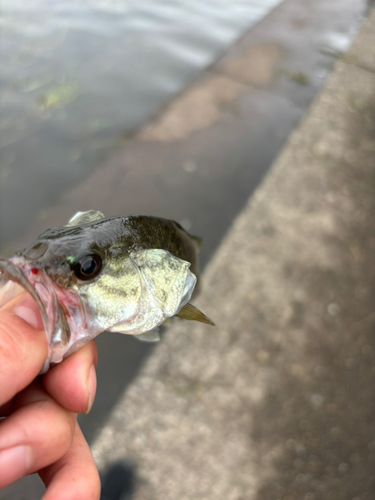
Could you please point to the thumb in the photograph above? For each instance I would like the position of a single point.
(23, 345)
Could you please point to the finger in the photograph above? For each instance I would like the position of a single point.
(72, 383)
(74, 476)
(37, 434)
(23, 345)
(7, 408)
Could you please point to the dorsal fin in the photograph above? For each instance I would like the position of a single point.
(84, 217)
(197, 241)
(192, 313)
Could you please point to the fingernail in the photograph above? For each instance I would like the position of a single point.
(91, 387)
(15, 463)
(28, 310)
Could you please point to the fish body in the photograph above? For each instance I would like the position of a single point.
(126, 274)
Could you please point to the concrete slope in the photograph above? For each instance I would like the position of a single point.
(277, 401)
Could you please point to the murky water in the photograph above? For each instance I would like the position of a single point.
(79, 76)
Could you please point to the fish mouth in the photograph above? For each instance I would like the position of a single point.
(13, 274)
(19, 277)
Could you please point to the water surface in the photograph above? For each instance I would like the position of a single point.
(77, 77)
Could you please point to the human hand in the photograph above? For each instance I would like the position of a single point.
(40, 432)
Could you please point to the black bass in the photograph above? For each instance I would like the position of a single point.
(119, 274)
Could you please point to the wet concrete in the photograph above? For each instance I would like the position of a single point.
(202, 169)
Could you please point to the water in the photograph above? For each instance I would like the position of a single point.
(77, 77)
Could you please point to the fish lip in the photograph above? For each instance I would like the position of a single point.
(14, 273)
(65, 324)
(42, 290)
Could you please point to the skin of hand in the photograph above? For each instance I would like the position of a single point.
(40, 432)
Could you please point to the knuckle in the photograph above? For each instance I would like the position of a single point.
(55, 425)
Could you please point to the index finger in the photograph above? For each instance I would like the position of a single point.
(23, 345)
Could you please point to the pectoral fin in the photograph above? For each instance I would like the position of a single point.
(151, 336)
(192, 313)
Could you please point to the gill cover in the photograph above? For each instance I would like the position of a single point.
(166, 286)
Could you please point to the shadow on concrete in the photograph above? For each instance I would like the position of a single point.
(118, 482)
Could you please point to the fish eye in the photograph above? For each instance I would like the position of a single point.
(87, 267)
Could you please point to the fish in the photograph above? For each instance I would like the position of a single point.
(125, 274)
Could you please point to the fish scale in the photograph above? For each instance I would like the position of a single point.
(125, 274)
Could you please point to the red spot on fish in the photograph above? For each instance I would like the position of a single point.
(34, 271)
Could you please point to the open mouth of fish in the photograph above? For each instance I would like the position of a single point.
(62, 311)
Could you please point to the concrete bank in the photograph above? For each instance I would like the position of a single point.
(277, 401)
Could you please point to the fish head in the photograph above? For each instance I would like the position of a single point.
(86, 279)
